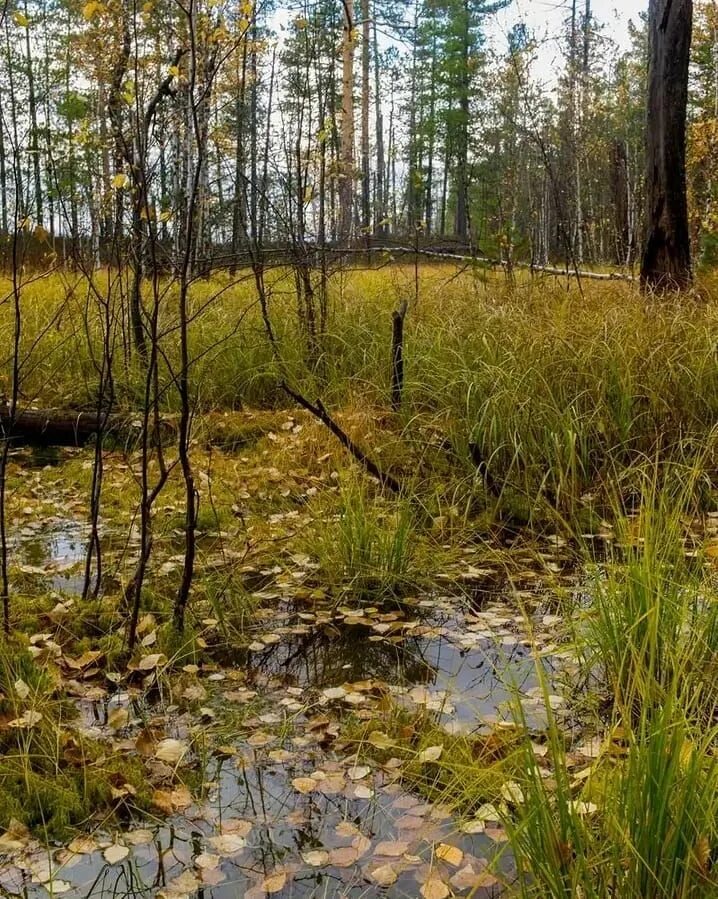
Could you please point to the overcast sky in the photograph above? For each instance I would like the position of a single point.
(544, 18)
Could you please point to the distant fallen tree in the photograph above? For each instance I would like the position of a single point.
(494, 263)
(60, 427)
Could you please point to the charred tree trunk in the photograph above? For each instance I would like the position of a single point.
(667, 259)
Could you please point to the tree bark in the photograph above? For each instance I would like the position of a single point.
(620, 188)
(61, 427)
(346, 190)
(365, 171)
(461, 217)
(667, 259)
(380, 213)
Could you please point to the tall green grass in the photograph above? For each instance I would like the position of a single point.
(559, 388)
(641, 819)
(367, 548)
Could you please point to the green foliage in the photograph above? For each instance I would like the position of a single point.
(367, 548)
(51, 778)
(641, 819)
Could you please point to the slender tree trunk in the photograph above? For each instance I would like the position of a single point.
(34, 140)
(346, 189)
(106, 224)
(365, 171)
(667, 259)
(380, 213)
(254, 191)
(461, 219)
(239, 203)
(3, 173)
(429, 209)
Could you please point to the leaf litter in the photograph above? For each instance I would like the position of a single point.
(290, 730)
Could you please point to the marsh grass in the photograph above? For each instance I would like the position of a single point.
(366, 546)
(559, 389)
(642, 824)
(51, 778)
(641, 819)
(574, 400)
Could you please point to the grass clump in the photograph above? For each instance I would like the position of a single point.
(641, 824)
(640, 818)
(367, 547)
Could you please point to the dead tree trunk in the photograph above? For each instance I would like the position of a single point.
(666, 258)
(62, 427)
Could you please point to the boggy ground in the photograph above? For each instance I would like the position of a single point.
(290, 741)
(486, 685)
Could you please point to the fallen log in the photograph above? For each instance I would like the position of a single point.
(60, 427)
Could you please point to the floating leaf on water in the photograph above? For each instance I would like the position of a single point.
(304, 784)
(362, 791)
(316, 858)
(469, 879)
(334, 693)
(260, 739)
(274, 883)
(450, 854)
(139, 837)
(281, 755)
(206, 861)
(362, 844)
(212, 876)
(434, 888)
(409, 822)
(181, 887)
(474, 826)
(237, 826)
(115, 853)
(171, 751)
(488, 812)
(82, 845)
(270, 639)
(384, 875)
(358, 772)
(227, 843)
(497, 834)
(344, 857)
(169, 801)
(392, 848)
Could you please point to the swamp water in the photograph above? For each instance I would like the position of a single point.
(282, 810)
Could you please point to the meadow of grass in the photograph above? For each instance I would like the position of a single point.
(590, 406)
(559, 388)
